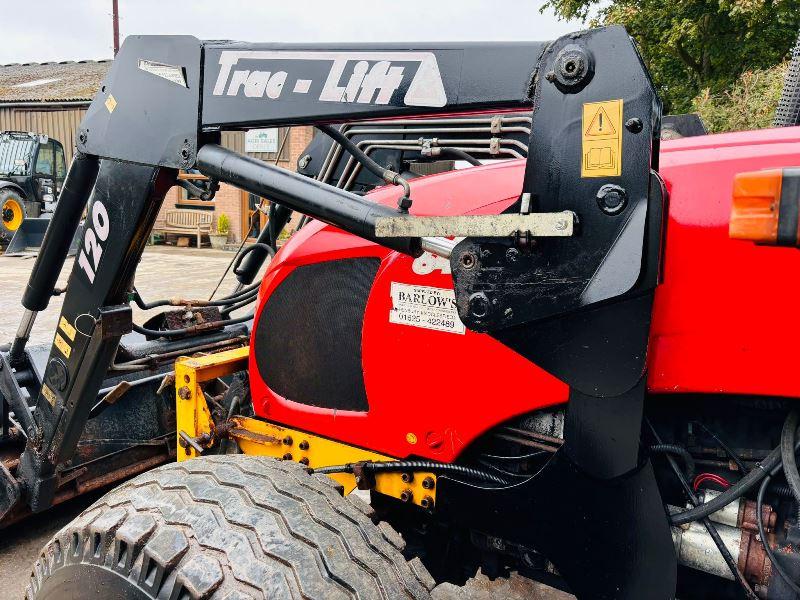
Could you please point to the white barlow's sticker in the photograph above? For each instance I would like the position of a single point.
(168, 72)
(426, 307)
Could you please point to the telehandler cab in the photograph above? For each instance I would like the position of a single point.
(32, 171)
(539, 365)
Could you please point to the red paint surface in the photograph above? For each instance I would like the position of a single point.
(725, 317)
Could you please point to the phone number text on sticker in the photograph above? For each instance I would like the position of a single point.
(426, 307)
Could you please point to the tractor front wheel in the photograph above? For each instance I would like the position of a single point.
(12, 213)
(228, 527)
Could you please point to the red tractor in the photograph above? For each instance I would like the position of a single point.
(575, 364)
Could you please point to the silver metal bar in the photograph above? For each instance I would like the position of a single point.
(558, 224)
(439, 246)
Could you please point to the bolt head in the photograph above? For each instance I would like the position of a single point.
(634, 125)
(468, 260)
(612, 199)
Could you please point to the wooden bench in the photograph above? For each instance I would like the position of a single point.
(186, 222)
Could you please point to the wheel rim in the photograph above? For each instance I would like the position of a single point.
(12, 214)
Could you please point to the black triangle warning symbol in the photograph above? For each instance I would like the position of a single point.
(601, 124)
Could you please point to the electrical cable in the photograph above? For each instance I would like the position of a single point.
(515, 458)
(387, 175)
(713, 477)
(707, 523)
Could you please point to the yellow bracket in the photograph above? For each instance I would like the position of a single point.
(262, 438)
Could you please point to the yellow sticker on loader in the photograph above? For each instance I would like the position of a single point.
(68, 329)
(602, 139)
(49, 395)
(62, 345)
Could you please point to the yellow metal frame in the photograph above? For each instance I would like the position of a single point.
(263, 438)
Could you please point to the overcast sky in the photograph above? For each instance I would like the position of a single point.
(53, 30)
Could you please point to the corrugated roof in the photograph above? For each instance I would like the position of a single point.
(52, 82)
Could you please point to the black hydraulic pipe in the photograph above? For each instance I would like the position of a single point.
(308, 196)
(69, 208)
(278, 216)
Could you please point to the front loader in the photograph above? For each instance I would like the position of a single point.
(534, 365)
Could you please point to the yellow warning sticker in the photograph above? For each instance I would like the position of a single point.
(111, 103)
(68, 329)
(48, 393)
(602, 139)
(62, 345)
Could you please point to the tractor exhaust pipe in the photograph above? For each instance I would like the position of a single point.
(318, 200)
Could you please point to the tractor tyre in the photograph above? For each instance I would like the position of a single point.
(12, 214)
(227, 527)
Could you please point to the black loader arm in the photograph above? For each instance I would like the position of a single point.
(565, 278)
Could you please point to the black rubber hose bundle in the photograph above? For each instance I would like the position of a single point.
(710, 527)
(179, 332)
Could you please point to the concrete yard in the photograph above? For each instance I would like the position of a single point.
(163, 272)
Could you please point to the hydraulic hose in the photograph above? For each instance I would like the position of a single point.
(688, 461)
(386, 175)
(400, 466)
(788, 458)
(179, 332)
(457, 153)
(762, 534)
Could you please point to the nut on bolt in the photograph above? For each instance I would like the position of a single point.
(287, 441)
(479, 305)
(428, 483)
(287, 456)
(303, 445)
(407, 477)
(406, 496)
(184, 393)
(426, 502)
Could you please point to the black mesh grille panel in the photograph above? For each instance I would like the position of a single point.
(308, 340)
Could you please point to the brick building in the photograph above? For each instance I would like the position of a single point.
(51, 99)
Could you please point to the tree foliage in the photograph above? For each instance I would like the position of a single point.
(696, 45)
(750, 103)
